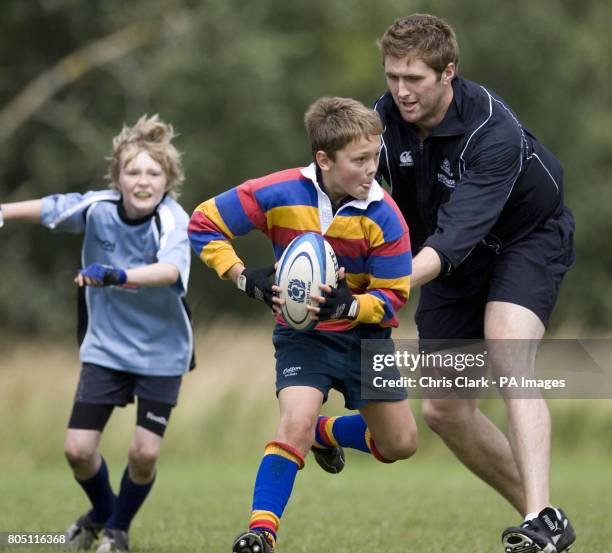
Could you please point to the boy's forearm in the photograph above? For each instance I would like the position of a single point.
(156, 274)
(234, 272)
(29, 211)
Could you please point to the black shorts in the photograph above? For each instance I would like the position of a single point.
(101, 389)
(325, 360)
(527, 273)
(108, 386)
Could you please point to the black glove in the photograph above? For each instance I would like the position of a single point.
(256, 284)
(339, 303)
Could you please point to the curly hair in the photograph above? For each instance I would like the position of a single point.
(151, 135)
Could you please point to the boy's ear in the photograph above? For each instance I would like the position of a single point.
(322, 160)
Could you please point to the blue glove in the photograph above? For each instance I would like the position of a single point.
(104, 275)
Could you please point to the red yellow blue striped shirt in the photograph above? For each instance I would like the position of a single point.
(370, 237)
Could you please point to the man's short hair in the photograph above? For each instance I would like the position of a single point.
(423, 36)
(333, 122)
(151, 135)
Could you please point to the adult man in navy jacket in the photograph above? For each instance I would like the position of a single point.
(484, 202)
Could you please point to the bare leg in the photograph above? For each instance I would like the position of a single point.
(299, 409)
(528, 419)
(80, 448)
(143, 454)
(392, 427)
(477, 443)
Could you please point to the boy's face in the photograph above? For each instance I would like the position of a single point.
(142, 183)
(353, 170)
(420, 93)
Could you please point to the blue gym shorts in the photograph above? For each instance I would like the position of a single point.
(526, 273)
(325, 360)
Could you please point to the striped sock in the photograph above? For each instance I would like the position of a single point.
(273, 486)
(349, 431)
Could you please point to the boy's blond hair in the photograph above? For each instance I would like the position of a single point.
(333, 122)
(423, 36)
(152, 135)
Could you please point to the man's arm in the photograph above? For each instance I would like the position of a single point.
(426, 266)
(29, 211)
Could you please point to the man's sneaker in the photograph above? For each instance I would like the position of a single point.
(252, 542)
(83, 533)
(113, 540)
(550, 532)
(330, 459)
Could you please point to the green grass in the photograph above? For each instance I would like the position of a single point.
(427, 504)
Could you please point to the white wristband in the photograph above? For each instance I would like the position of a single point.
(1, 217)
(241, 282)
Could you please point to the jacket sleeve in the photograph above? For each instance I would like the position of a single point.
(489, 170)
(388, 266)
(218, 220)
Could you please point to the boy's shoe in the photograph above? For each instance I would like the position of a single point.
(83, 533)
(330, 459)
(114, 540)
(550, 532)
(252, 542)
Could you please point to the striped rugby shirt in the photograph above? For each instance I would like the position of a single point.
(369, 237)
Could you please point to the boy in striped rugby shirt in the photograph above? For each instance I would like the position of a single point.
(336, 196)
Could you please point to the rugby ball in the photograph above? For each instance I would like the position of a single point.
(307, 261)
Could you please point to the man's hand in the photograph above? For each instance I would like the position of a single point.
(256, 284)
(335, 303)
(100, 275)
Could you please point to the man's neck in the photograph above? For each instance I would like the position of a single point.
(425, 127)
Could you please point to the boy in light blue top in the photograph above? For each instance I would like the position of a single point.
(136, 337)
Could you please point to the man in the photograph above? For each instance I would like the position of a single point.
(484, 202)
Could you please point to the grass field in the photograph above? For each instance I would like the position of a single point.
(418, 506)
(226, 413)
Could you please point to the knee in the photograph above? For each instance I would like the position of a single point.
(297, 431)
(142, 458)
(402, 445)
(78, 453)
(441, 417)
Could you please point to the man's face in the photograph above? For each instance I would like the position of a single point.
(419, 92)
(353, 170)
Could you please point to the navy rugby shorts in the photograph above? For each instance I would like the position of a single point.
(111, 387)
(527, 273)
(326, 360)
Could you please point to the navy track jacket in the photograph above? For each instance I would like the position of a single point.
(480, 176)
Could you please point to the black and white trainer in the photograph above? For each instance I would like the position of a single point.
(550, 532)
(83, 533)
(330, 459)
(252, 542)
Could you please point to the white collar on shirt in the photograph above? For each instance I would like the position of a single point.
(375, 193)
